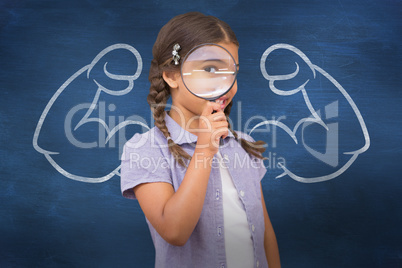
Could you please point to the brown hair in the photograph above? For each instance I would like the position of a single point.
(189, 30)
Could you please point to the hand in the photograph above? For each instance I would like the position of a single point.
(211, 127)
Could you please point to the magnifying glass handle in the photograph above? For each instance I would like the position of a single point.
(220, 140)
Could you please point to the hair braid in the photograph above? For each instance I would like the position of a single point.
(159, 93)
(254, 148)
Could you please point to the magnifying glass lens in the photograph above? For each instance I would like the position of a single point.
(209, 71)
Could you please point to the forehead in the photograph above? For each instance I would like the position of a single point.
(232, 48)
(212, 52)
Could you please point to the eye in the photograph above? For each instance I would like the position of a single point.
(210, 69)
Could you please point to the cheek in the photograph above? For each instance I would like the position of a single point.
(233, 91)
(192, 102)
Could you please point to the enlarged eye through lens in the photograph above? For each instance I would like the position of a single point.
(209, 71)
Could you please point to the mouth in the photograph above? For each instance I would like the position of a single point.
(222, 101)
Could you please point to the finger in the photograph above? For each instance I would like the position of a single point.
(226, 134)
(220, 128)
(219, 116)
(216, 139)
(220, 124)
(210, 107)
(218, 134)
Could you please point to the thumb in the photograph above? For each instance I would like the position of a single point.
(210, 107)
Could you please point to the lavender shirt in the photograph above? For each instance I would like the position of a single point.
(146, 158)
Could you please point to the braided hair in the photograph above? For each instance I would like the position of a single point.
(189, 30)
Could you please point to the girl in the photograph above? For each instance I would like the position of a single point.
(202, 201)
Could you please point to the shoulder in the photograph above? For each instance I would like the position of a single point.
(257, 164)
(249, 138)
(143, 161)
(147, 143)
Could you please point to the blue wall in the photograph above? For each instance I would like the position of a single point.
(53, 213)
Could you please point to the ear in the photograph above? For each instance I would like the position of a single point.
(171, 78)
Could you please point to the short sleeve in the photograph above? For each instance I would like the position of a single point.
(258, 162)
(142, 161)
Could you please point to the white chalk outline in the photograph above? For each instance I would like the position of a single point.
(315, 117)
(86, 118)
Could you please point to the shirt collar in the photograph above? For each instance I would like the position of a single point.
(179, 135)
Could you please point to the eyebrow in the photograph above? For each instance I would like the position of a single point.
(218, 60)
(207, 60)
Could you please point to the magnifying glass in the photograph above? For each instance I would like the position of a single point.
(209, 71)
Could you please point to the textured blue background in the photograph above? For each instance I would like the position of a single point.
(48, 220)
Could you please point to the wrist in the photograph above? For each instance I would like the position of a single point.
(204, 150)
(207, 147)
(203, 157)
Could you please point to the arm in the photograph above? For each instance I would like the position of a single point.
(270, 243)
(174, 215)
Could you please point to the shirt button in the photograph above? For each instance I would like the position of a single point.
(258, 263)
(219, 231)
(242, 193)
(217, 194)
(252, 227)
(222, 265)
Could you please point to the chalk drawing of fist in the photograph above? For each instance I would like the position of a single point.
(315, 116)
(73, 131)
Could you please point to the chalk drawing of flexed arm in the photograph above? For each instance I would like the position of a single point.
(89, 115)
(130, 78)
(315, 116)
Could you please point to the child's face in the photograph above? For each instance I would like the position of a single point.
(192, 105)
